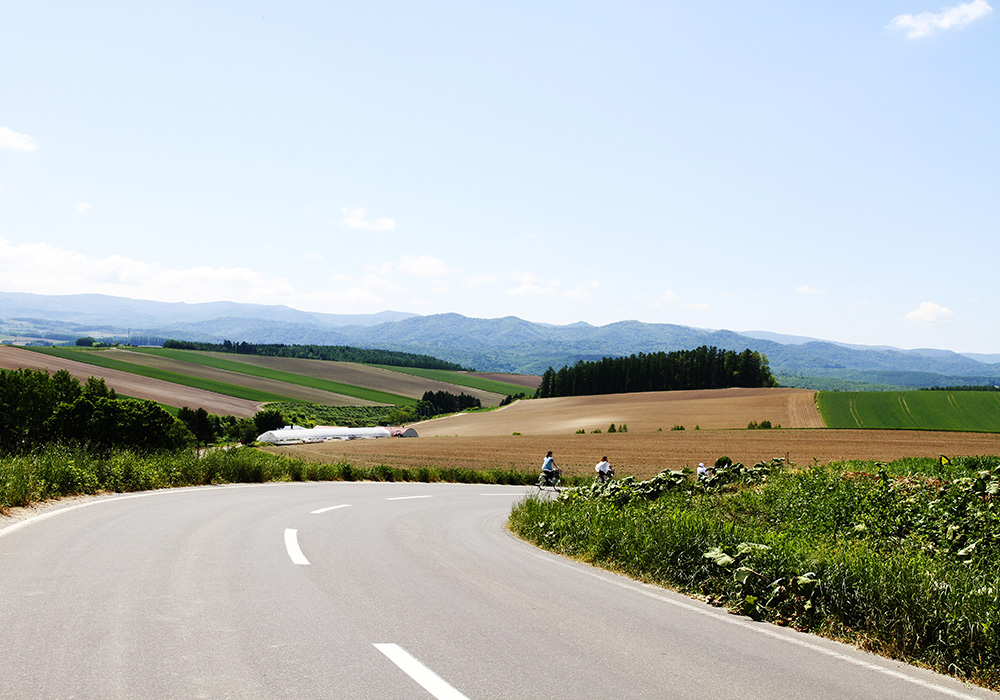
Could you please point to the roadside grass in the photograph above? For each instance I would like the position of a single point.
(56, 471)
(462, 379)
(93, 357)
(898, 559)
(974, 411)
(208, 360)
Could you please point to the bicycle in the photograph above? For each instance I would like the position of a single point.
(551, 481)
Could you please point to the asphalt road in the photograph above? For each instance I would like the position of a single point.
(360, 590)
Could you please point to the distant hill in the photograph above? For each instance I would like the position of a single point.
(508, 344)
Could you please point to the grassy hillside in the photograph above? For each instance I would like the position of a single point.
(202, 371)
(463, 379)
(97, 359)
(216, 362)
(279, 379)
(977, 411)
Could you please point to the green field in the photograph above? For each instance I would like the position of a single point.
(206, 360)
(94, 357)
(975, 411)
(463, 379)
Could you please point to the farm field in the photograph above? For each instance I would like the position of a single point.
(927, 410)
(645, 454)
(134, 385)
(411, 384)
(642, 412)
(264, 379)
(293, 385)
(487, 440)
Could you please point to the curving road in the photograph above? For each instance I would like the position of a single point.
(360, 590)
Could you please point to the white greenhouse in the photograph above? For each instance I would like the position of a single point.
(294, 434)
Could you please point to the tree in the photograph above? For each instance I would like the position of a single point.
(201, 424)
(268, 419)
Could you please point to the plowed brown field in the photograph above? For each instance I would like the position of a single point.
(645, 454)
(642, 412)
(486, 440)
(131, 384)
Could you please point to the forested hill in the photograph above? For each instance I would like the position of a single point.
(506, 344)
(333, 353)
(702, 368)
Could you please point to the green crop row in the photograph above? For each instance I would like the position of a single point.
(206, 360)
(898, 558)
(98, 359)
(94, 357)
(463, 379)
(977, 411)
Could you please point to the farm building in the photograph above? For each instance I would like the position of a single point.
(294, 434)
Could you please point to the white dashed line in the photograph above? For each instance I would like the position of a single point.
(408, 498)
(428, 680)
(323, 510)
(292, 545)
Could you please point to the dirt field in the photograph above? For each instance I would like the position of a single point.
(642, 412)
(131, 384)
(485, 440)
(645, 454)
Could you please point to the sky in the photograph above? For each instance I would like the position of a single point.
(824, 169)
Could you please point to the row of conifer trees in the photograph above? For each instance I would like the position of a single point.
(702, 368)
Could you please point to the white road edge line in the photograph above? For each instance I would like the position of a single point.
(292, 545)
(408, 498)
(323, 510)
(428, 680)
(759, 628)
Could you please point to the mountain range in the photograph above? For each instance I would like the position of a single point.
(508, 344)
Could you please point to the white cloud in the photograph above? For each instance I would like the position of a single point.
(928, 23)
(15, 141)
(479, 281)
(806, 289)
(423, 266)
(41, 268)
(930, 314)
(357, 218)
(83, 207)
(670, 297)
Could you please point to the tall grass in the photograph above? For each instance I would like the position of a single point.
(57, 471)
(878, 555)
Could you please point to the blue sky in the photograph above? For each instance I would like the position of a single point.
(827, 169)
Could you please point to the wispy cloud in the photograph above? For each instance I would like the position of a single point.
(83, 207)
(423, 266)
(42, 268)
(928, 23)
(357, 218)
(806, 289)
(930, 314)
(15, 141)
(670, 297)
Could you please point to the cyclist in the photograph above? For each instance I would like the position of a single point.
(604, 470)
(550, 472)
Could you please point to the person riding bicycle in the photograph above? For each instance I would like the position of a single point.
(550, 472)
(604, 470)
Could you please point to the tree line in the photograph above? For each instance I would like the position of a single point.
(702, 368)
(37, 408)
(435, 403)
(334, 353)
